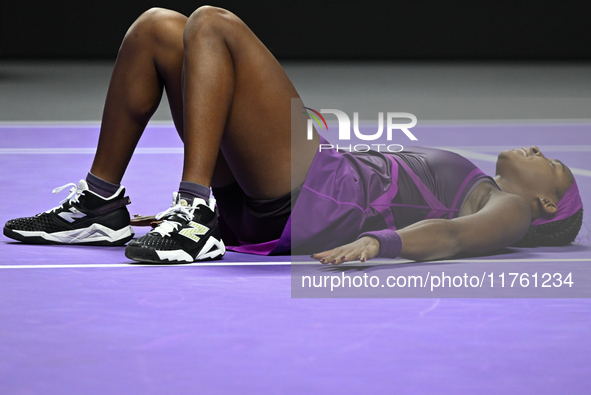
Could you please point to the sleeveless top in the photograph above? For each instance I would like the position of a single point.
(346, 194)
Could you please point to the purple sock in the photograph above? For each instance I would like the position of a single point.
(191, 190)
(100, 186)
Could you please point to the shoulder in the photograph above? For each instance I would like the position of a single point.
(498, 201)
(487, 201)
(487, 194)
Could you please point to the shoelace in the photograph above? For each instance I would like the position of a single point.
(73, 195)
(168, 226)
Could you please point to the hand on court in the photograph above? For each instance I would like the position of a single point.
(362, 249)
(144, 220)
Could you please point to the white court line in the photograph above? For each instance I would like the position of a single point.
(54, 151)
(514, 260)
(499, 148)
(504, 122)
(372, 263)
(68, 124)
(467, 149)
(430, 122)
(107, 265)
(179, 150)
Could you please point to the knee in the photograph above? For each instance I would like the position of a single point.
(156, 24)
(209, 20)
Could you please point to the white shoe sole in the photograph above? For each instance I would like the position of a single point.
(212, 249)
(95, 233)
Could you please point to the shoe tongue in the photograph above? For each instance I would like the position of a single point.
(83, 185)
(186, 201)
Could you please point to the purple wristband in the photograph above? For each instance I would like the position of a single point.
(390, 242)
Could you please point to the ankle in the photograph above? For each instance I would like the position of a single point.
(190, 190)
(101, 187)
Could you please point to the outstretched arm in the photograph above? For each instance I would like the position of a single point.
(503, 220)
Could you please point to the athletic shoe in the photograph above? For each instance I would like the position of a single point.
(189, 233)
(83, 218)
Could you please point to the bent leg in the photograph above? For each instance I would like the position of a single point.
(225, 89)
(237, 97)
(149, 60)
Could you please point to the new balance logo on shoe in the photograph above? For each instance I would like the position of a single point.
(72, 215)
(193, 231)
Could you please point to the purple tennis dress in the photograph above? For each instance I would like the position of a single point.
(346, 194)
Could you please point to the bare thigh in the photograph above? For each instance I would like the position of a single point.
(257, 143)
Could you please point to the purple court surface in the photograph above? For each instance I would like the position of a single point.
(84, 320)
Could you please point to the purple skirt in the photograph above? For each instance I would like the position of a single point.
(333, 205)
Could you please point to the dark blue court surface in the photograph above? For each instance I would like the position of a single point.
(85, 320)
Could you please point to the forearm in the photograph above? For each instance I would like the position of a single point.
(426, 240)
(430, 239)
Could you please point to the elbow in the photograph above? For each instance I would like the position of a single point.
(454, 245)
(441, 240)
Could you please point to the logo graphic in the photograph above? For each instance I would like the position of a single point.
(344, 130)
(72, 215)
(194, 231)
(345, 124)
(310, 125)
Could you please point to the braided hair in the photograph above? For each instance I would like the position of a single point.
(555, 233)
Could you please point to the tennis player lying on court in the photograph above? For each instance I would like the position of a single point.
(231, 104)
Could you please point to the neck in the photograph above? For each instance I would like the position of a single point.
(508, 187)
(504, 185)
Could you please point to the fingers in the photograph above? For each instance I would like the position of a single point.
(322, 256)
(327, 257)
(362, 249)
(342, 254)
(142, 220)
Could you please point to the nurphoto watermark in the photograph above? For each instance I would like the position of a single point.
(343, 136)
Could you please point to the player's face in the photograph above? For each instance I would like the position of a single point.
(530, 169)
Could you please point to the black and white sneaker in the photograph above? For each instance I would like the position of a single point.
(83, 218)
(189, 233)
